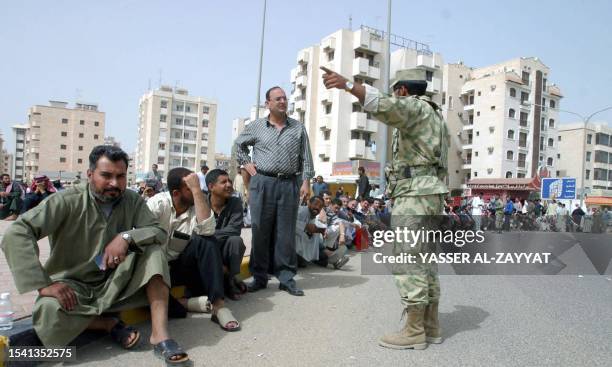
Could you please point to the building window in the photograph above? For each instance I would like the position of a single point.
(551, 123)
(601, 156)
(162, 146)
(163, 104)
(204, 136)
(355, 135)
(450, 102)
(492, 108)
(179, 106)
(330, 55)
(510, 155)
(553, 104)
(559, 138)
(177, 134)
(82, 122)
(428, 75)
(176, 148)
(524, 97)
(443, 98)
(64, 133)
(587, 174)
(63, 146)
(80, 147)
(589, 138)
(64, 121)
(511, 134)
(525, 77)
(558, 156)
(475, 174)
(96, 123)
(161, 160)
(512, 94)
(551, 142)
(204, 150)
(549, 161)
(95, 136)
(188, 108)
(511, 113)
(62, 160)
(79, 161)
(508, 174)
(205, 109)
(205, 123)
(477, 113)
(162, 118)
(603, 139)
(328, 108)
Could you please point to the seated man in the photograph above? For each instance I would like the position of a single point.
(312, 239)
(105, 256)
(11, 198)
(193, 254)
(41, 188)
(229, 218)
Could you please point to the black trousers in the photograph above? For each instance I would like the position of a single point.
(232, 252)
(274, 206)
(199, 268)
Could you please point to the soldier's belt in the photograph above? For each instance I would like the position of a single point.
(415, 171)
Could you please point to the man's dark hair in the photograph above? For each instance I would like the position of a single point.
(204, 167)
(315, 198)
(114, 154)
(414, 87)
(361, 169)
(212, 176)
(370, 200)
(175, 178)
(336, 201)
(5, 174)
(326, 192)
(270, 90)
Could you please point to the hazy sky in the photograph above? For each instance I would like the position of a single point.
(107, 51)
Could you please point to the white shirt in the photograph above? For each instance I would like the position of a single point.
(202, 178)
(162, 208)
(477, 204)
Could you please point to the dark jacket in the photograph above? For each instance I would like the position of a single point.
(230, 220)
(363, 185)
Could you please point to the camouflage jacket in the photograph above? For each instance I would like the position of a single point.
(420, 140)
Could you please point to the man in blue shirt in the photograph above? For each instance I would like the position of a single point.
(319, 186)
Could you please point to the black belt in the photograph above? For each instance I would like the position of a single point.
(280, 176)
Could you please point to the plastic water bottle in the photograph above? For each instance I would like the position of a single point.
(6, 311)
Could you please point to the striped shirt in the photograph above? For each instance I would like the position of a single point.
(284, 151)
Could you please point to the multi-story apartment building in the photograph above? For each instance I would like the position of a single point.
(338, 128)
(175, 130)
(59, 139)
(503, 119)
(586, 152)
(19, 132)
(7, 162)
(222, 161)
(239, 123)
(110, 140)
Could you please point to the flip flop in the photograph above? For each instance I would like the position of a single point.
(199, 304)
(121, 333)
(224, 316)
(169, 348)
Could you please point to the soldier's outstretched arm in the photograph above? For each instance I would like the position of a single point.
(331, 79)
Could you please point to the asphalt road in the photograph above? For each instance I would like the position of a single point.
(501, 320)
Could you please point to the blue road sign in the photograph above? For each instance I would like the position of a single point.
(558, 188)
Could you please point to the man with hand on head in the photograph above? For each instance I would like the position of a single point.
(278, 177)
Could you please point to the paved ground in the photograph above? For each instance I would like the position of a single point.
(487, 320)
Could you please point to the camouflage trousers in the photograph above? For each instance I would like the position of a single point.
(418, 282)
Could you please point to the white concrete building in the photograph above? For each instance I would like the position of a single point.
(7, 162)
(503, 120)
(596, 164)
(338, 128)
(175, 130)
(19, 132)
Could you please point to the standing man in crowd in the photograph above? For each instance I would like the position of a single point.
(154, 179)
(363, 184)
(416, 182)
(477, 206)
(319, 186)
(202, 178)
(11, 198)
(278, 177)
(105, 257)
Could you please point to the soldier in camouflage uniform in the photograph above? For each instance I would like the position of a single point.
(416, 180)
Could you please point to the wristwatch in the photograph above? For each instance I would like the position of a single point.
(128, 238)
(348, 86)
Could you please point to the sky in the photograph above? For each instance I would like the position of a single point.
(109, 52)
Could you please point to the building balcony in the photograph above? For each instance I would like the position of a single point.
(163, 125)
(359, 121)
(468, 127)
(324, 150)
(328, 44)
(362, 68)
(469, 107)
(434, 86)
(303, 56)
(369, 155)
(300, 105)
(364, 40)
(467, 145)
(467, 164)
(35, 137)
(525, 105)
(163, 139)
(325, 123)
(356, 149)
(301, 81)
(326, 95)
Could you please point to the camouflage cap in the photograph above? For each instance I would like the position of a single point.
(408, 75)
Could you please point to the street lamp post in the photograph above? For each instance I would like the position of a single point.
(585, 121)
(383, 127)
(261, 50)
